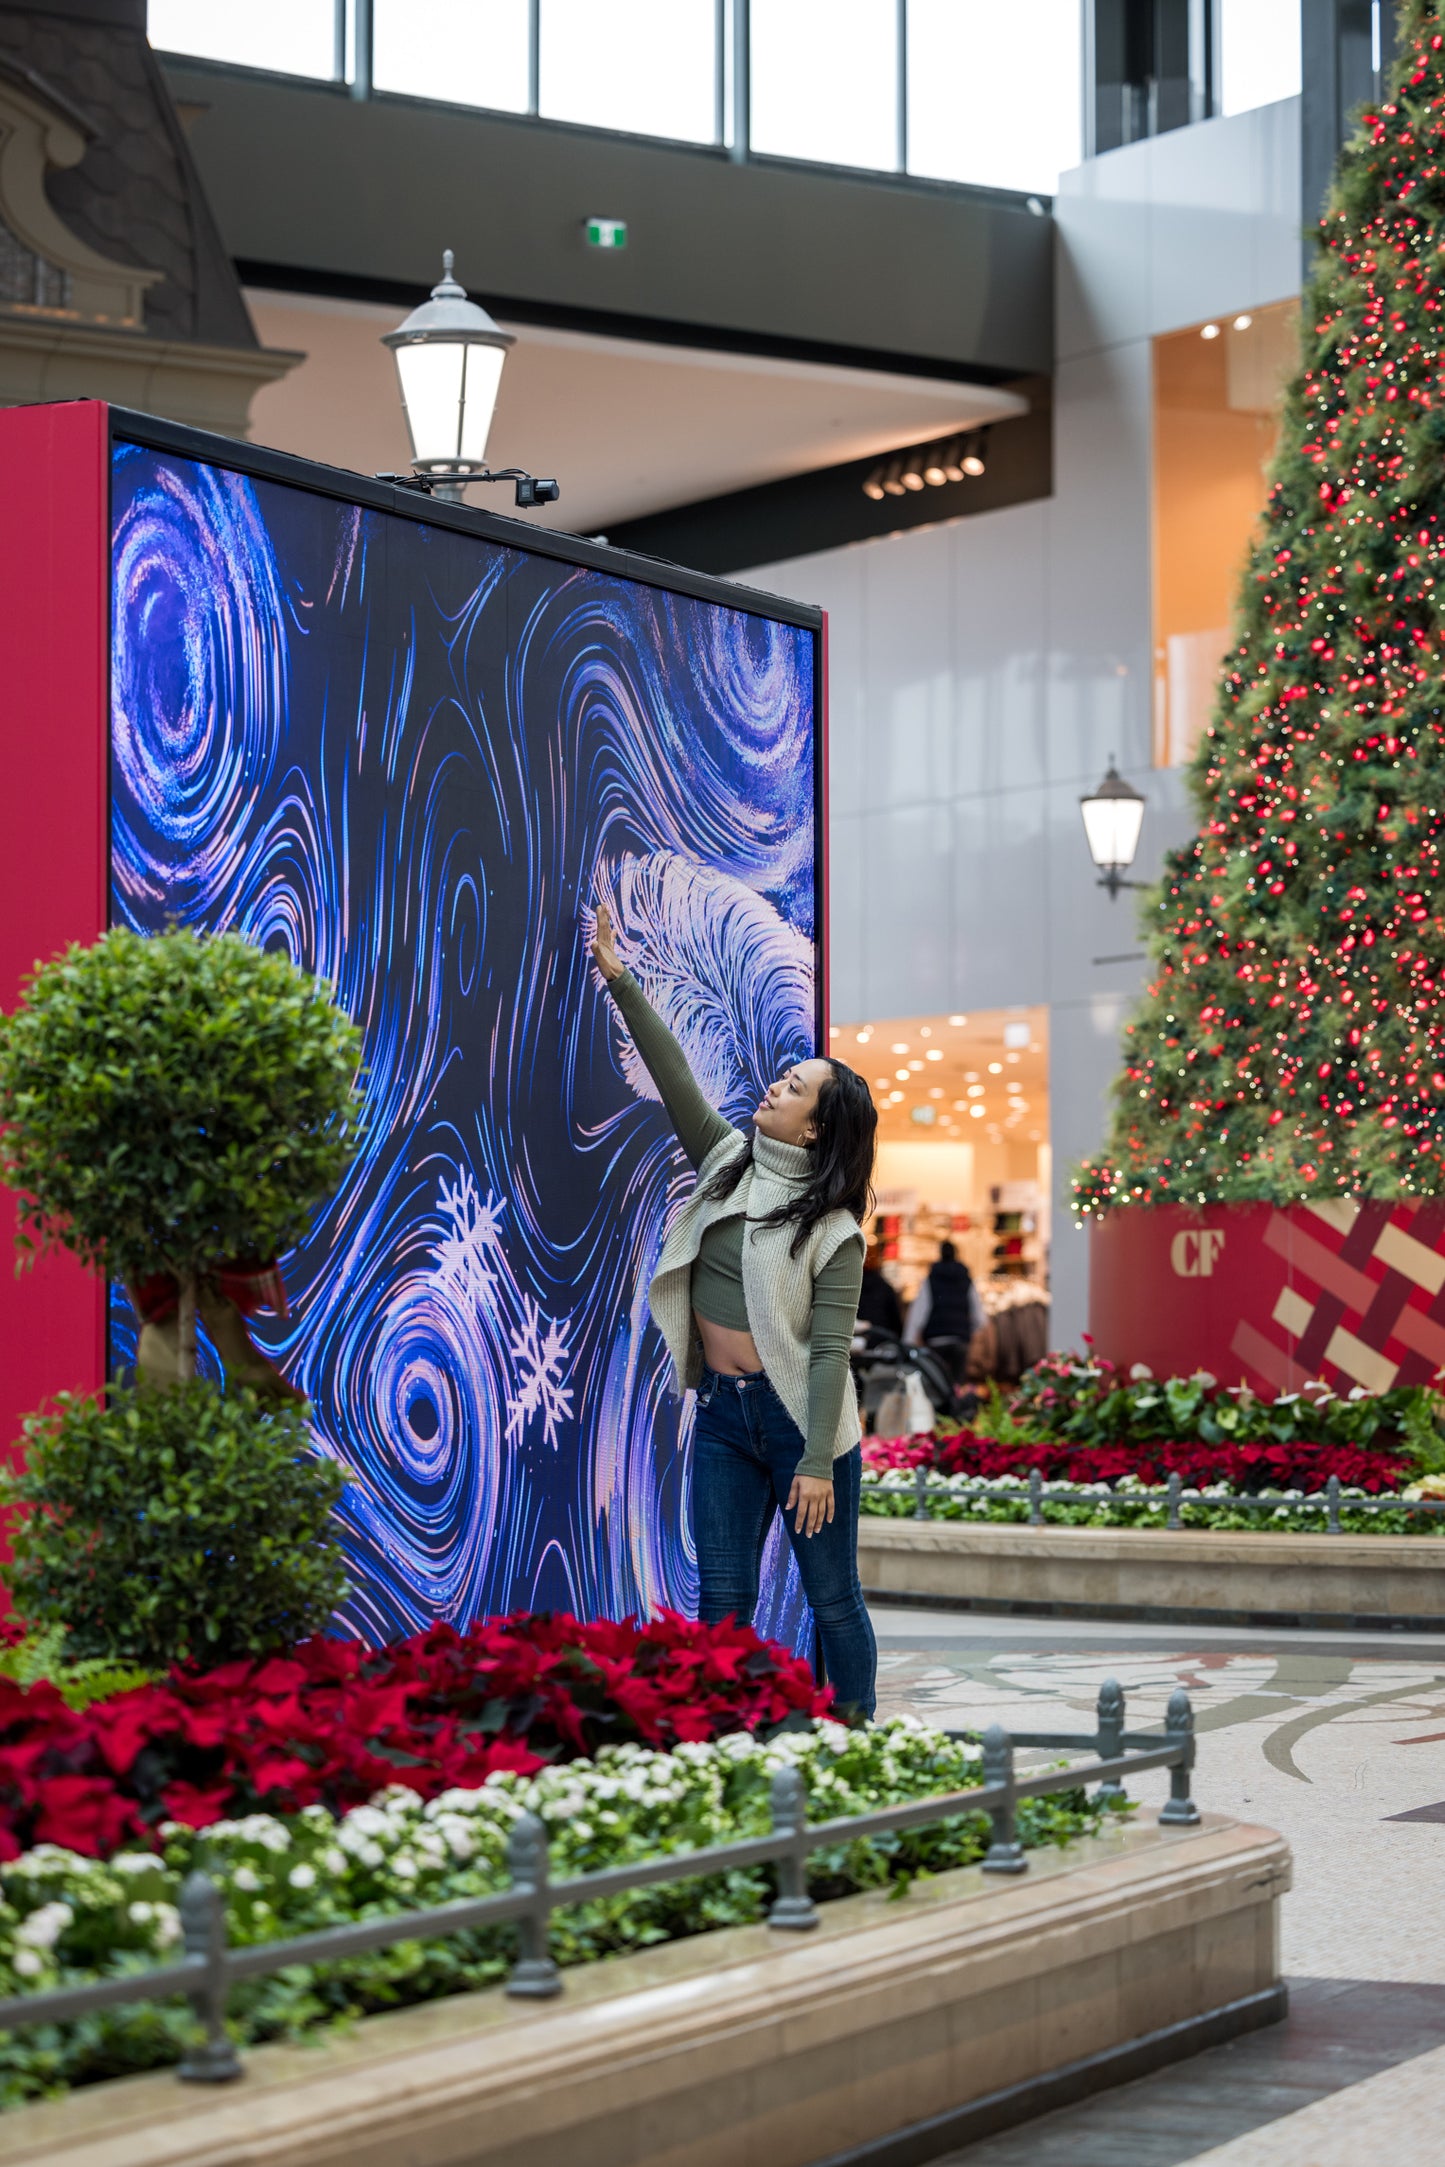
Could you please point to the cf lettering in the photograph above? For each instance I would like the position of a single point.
(1193, 1253)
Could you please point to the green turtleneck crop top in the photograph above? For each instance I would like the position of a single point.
(717, 1275)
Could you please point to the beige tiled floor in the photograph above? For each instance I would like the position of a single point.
(1324, 1738)
(1325, 1746)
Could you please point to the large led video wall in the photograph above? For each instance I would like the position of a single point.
(408, 756)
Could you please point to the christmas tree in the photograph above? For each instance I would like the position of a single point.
(1292, 1041)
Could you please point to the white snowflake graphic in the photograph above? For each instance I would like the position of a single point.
(473, 1267)
(475, 1237)
(539, 1366)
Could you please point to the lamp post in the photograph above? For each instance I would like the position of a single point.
(449, 357)
(1113, 815)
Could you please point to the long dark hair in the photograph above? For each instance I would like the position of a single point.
(841, 1178)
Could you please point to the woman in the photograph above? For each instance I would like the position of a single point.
(762, 1328)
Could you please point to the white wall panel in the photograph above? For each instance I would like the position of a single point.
(908, 910)
(908, 669)
(1001, 892)
(1000, 600)
(1100, 631)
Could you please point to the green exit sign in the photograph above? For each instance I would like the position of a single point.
(606, 232)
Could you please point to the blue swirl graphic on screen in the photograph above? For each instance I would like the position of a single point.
(412, 759)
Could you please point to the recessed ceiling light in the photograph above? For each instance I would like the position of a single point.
(958, 1022)
(900, 1045)
(975, 1091)
(1242, 323)
(970, 1075)
(925, 1030)
(865, 1034)
(902, 1075)
(915, 1066)
(936, 1091)
(978, 1112)
(1209, 331)
(934, 1053)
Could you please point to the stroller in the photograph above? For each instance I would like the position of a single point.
(902, 1390)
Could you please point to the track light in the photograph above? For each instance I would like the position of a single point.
(930, 466)
(975, 458)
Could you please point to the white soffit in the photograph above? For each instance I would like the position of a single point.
(628, 427)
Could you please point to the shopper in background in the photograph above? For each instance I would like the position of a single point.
(879, 1309)
(946, 1311)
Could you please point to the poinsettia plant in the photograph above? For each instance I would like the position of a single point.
(333, 1722)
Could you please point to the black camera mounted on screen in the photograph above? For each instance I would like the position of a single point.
(532, 489)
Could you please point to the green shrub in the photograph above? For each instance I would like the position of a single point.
(174, 1104)
(175, 1526)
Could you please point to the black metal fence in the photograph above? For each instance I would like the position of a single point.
(1328, 1503)
(211, 1966)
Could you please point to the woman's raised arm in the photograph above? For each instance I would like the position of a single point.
(700, 1128)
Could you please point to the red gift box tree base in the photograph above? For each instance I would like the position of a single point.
(1273, 1296)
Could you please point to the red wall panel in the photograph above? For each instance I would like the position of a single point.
(54, 620)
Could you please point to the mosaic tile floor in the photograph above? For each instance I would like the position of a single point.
(1338, 1743)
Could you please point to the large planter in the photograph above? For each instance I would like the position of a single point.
(956, 2009)
(1195, 1576)
(1353, 1293)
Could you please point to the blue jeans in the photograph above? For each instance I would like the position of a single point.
(746, 1448)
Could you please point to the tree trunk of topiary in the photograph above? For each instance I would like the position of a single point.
(186, 1336)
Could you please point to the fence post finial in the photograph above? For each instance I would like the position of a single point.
(1332, 1502)
(534, 1976)
(1005, 1853)
(1036, 1497)
(920, 1493)
(1109, 1737)
(1174, 1492)
(1179, 1810)
(792, 1908)
(212, 2059)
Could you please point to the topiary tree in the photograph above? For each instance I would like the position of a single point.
(173, 1110)
(1292, 1042)
(178, 1526)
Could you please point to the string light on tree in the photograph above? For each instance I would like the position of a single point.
(1292, 1041)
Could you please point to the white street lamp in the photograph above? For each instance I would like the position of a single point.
(449, 357)
(1113, 815)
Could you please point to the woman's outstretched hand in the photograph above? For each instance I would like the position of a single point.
(604, 946)
(812, 1498)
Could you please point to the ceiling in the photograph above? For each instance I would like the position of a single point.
(627, 427)
(952, 1064)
